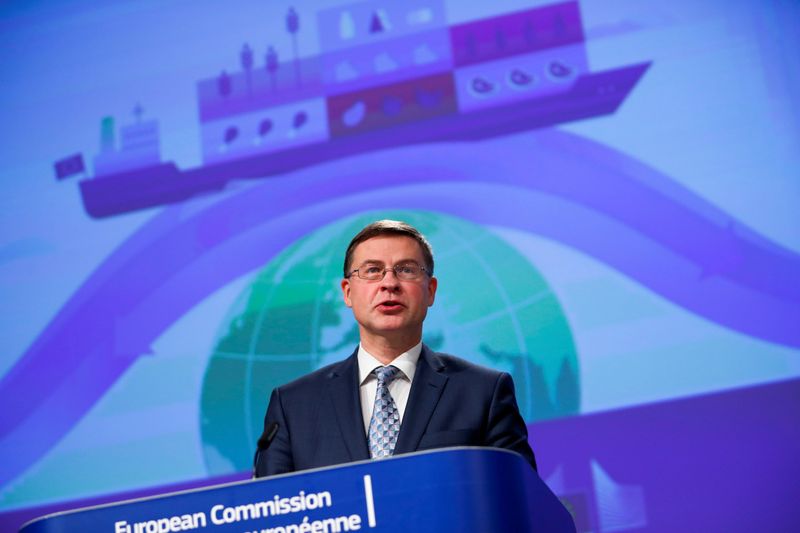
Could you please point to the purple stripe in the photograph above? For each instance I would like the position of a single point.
(516, 33)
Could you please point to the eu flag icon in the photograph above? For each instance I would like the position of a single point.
(69, 166)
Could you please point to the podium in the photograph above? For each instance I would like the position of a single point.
(464, 490)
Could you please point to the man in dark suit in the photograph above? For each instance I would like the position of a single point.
(393, 395)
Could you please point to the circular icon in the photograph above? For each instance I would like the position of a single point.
(481, 87)
(520, 79)
(560, 71)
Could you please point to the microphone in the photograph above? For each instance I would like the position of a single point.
(263, 443)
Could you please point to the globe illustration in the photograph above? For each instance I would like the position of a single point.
(492, 307)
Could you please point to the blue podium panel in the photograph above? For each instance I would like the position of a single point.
(451, 490)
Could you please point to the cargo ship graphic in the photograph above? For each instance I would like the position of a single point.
(389, 75)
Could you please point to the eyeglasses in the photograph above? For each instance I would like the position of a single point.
(376, 271)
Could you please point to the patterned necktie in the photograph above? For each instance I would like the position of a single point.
(385, 422)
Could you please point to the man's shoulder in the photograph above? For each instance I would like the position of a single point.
(317, 377)
(456, 366)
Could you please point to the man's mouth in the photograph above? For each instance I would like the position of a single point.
(389, 306)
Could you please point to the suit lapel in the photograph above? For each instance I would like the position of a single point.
(425, 391)
(343, 391)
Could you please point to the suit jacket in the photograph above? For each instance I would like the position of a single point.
(452, 402)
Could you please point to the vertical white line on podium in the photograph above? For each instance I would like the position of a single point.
(370, 502)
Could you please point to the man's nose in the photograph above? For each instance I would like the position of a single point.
(390, 278)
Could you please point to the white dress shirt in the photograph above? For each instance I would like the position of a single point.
(399, 388)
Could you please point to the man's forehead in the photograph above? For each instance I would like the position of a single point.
(379, 245)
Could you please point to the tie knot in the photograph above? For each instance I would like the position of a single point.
(386, 374)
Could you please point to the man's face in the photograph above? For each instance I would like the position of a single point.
(390, 308)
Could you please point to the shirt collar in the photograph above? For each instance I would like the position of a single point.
(406, 362)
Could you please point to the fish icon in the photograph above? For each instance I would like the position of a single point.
(265, 127)
(300, 118)
(354, 114)
(519, 79)
(481, 87)
(558, 70)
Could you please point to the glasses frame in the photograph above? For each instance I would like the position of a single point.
(394, 268)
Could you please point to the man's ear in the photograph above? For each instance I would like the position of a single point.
(432, 284)
(346, 292)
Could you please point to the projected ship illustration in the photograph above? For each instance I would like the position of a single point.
(390, 75)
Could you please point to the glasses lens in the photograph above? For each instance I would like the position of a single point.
(409, 271)
(370, 272)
